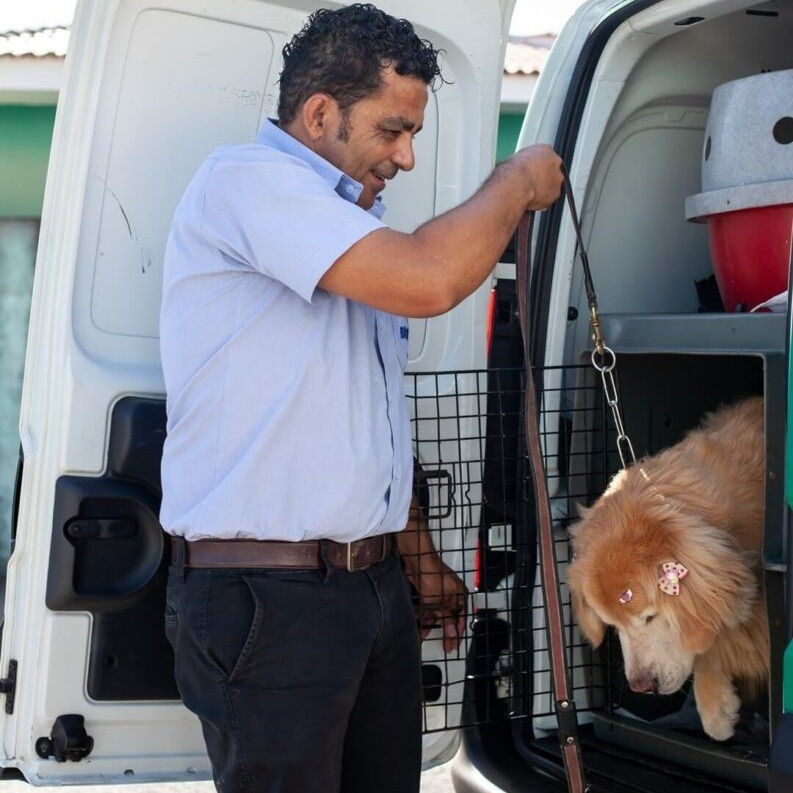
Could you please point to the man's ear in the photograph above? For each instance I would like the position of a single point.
(317, 112)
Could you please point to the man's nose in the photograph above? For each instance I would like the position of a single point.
(404, 157)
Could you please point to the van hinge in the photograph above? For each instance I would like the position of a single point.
(68, 740)
(8, 686)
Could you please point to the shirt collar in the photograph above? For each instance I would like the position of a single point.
(272, 135)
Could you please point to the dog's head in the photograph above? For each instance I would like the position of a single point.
(620, 548)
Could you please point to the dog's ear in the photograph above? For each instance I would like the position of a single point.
(588, 621)
(719, 590)
(695, 637)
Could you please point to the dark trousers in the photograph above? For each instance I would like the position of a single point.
(304, 681)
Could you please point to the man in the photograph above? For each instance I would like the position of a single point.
(287, 471)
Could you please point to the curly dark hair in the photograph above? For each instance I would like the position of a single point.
(342, 51)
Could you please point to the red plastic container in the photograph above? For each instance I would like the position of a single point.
(751, 254)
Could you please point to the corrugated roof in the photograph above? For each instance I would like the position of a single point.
(523, 56)
(527, 55)
(39, 43)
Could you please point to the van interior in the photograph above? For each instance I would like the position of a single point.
(635, 146)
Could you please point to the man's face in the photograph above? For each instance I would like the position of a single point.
(373, 140)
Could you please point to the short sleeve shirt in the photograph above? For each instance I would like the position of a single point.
(286, 414)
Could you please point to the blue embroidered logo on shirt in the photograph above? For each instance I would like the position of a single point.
(403, 331)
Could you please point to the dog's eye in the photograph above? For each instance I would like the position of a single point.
(649, 618)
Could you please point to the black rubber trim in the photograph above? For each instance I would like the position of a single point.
(780, 764)
(788, 511)
(566, 139)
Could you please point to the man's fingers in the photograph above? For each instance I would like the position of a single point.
(452, 633)
(443, 604)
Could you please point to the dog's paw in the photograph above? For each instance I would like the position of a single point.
(720, 714)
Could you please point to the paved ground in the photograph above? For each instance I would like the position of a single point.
(437, 780)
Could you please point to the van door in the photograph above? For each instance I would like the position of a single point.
(625, 92)
(151, 90)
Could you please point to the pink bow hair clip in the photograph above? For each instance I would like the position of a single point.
(673, 574)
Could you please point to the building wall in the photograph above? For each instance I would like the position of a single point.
(509, 124)
(25, 136)
(18, 238)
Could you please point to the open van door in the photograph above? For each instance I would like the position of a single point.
(626, 99)
(151, 90)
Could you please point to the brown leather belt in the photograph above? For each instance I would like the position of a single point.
(307, 555)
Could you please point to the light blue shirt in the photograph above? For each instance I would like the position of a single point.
(286, 414)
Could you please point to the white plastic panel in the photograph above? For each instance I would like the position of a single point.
(188, 84)
(645, 256)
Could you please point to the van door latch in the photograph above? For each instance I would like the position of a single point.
(440, 481)
(68, 740)
(8, 685)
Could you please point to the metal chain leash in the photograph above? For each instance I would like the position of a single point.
(624, 444)
(604, 359)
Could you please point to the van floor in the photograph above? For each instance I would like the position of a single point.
(613, 768)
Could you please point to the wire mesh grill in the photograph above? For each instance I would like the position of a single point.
(472, 490)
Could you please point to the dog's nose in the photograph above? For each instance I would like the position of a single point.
(645, 684)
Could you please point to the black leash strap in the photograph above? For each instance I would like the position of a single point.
(603, 358)
(554, 616)
(589, 286)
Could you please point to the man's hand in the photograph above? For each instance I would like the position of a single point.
(442, 601)
(542, 172)
(442, 595)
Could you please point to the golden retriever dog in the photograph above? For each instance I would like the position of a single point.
(669, 556)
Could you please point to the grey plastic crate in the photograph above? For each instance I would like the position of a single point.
(747, 160)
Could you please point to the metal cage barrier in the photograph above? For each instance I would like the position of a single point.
(471, 485)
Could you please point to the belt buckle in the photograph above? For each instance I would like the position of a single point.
(350, 561)
(351, 564)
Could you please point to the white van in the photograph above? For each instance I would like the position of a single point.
(152, 88)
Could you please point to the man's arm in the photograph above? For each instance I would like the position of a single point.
(431, 270)
(442, 595)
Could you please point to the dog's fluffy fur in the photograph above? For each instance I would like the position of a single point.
(698, 503)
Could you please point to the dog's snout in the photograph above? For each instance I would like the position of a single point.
(644, 684)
